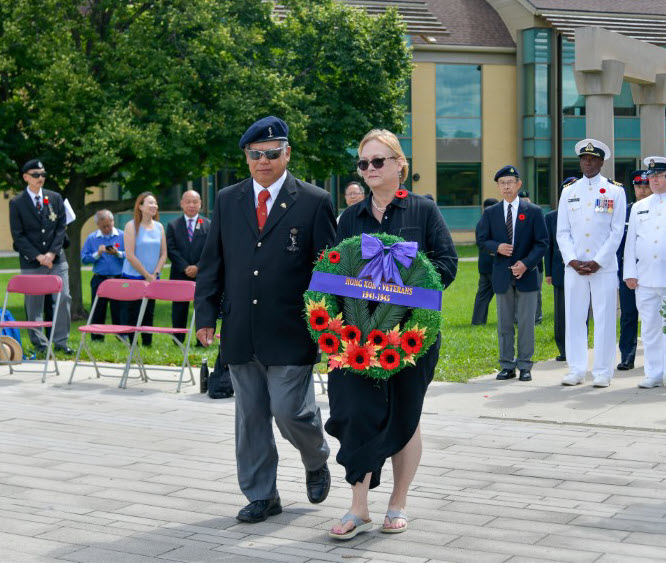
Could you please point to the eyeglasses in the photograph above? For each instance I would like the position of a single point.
(270, 154)
(507, 183)
(376, 162)
(37, 174)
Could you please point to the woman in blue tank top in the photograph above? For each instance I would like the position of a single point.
(145, 255)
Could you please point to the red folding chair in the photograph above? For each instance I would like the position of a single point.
(118, 290)
(166, 290)
(34, 285)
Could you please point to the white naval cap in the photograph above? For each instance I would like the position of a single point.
(655, 164)
(593, 147)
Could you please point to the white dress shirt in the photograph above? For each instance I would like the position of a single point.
(33, 195)
(645, 248)
(514, 214)
(274, 189)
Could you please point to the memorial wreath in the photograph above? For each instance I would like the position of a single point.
(374, 304)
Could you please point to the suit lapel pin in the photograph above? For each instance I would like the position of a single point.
(283, 205)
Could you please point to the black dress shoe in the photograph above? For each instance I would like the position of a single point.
(259, 510)
(506, 374)
(65, 350)
(561, 358)
(625, 366)
(318, 484)
(525, 375)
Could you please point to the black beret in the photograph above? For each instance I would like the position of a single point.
(523, 193)
(266, 129)
(507, 171)
(31, 165)
(489, 201)
(639, 178)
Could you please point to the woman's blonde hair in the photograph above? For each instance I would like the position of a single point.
(391, 141)
(137, 212)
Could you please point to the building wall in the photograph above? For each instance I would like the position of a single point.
(424, 156)
(499, 124)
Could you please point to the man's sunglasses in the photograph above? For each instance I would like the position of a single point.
(37, 174)
(376, 162)
(270, 154)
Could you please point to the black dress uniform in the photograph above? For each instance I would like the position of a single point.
(184, 252)
(36, 232)
(555, 270)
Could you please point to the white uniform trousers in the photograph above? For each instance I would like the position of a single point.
(649, 301)
(601, 287)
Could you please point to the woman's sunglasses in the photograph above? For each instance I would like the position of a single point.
(376, 162)
(270, 154)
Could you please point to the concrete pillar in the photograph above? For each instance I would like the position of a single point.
(599, 87)
(651, 100)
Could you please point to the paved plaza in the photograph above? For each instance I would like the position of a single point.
(511, 472)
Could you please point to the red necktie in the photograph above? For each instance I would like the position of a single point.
(262, 210)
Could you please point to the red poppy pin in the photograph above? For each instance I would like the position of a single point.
(521, 217)
(46, 200)
(200, 221)
(402, 194)
(602, 191)
(117, 245)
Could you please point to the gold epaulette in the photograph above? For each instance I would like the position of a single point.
(570, 184)
(616, 183)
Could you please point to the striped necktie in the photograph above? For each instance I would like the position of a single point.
(509, 223)
(38, 204)
(190, 229)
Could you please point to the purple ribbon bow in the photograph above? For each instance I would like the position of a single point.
(383, 259)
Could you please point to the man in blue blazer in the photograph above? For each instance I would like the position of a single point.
(514, 232)
(555, 275)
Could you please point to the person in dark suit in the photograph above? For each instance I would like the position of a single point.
(555, 275)
(484, 292)
(185, 238)
(628, 309)
(37, 223)
(265, 235)
(514, 232)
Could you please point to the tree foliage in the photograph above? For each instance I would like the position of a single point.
(148, 94)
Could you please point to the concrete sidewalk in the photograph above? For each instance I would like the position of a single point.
(511, 472)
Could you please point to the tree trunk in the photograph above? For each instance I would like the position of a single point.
(76, 194)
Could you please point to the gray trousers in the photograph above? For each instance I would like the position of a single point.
(283, 392)
(520, 305)
(34, 306)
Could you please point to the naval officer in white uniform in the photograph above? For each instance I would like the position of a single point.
(645, 269)
(590, 225)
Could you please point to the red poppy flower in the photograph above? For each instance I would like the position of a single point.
(358, 357)
(117, 245)
(377, 338)
(402, 194)
(46, 200)
(521, 217)
(350, 334)
(411, 342)
(602, 190)
(389, 359)
(334, 257)
(200, 221)
(319, 319)
(329, 343)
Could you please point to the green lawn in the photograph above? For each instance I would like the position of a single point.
(467, 351)
(9, 262)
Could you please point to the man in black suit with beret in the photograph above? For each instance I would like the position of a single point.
(514, 232)
(265, 235)
(186, 237)
(555, 275)
(37, 223)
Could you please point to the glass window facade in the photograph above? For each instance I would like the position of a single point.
(459, 137)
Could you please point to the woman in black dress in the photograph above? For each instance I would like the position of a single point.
(375, 420)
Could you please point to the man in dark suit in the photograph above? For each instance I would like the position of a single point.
(628, 310)
(186, 237)
(37, 222)
(514, 232)
(484, 292)
(555, 275)
(266, 232)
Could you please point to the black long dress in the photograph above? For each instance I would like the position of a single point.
(374, 420)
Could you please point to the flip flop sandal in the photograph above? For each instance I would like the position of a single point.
(395, 514)
(360, 526)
